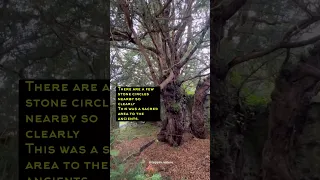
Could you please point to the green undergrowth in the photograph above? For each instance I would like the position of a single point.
(129, 132)
(254, 100)
(121, 170)
(122, 123)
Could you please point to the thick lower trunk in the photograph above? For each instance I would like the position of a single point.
(197, 119)
(226, 139)
(172, 126)
(290, 99)
(113, 123)
(185, 115)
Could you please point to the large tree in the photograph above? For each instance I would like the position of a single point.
(228, 18)
(46, 40)
(167, 34)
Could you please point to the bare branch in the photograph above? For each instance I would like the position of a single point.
(304, 7)
(255, 19)
(271, 49)
(126, 47)
(124, 37)
(163, 8)
(254, 71)
(194, 77)
(87, 63)
(5, 69)
(188, 57)
(184, 24)
(230, 9)
(300, 26)
(167, 81)
(125, 9)
(310, 70)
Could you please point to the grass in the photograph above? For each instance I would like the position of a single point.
(129, 133)
(122, 123)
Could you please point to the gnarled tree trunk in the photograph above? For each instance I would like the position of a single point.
(197, 119)
(172, 126)
(113, 123)
(295, 86)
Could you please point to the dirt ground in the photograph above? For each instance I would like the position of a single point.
(190, 161)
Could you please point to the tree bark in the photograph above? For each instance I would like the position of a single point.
(197, 119)
(226, 138)
(172, 126)
(113, 123)
(290, 99)
(224, 152)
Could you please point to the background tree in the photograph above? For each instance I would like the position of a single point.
(46, 40)
(247, 38)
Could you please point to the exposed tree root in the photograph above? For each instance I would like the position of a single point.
(140, 151)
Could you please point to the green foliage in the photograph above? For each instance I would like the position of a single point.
(114, 152)
(120, 171)
(188, 89)
(235, 78)
(144, 177)
(254, 100)
(156, 177)
(129, 132)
